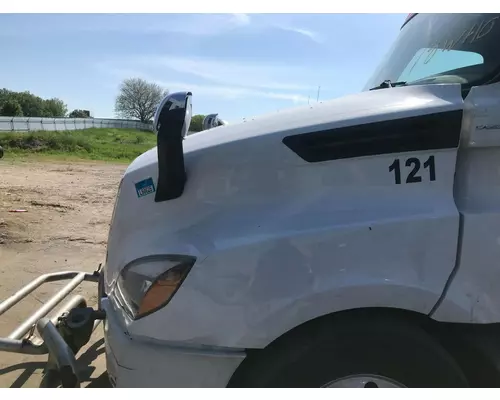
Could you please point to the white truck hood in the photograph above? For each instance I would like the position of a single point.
(227, 168)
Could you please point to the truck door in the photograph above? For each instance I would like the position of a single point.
(473, 295)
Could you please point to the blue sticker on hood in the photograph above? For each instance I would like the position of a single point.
(145, 187)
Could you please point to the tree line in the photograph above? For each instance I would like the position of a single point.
(137, 99)
(26, 104)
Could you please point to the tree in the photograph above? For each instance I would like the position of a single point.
(11, 108)
(4, 95)
(79, 114)
(196, 123)
(54, 108)
(34, 106)
(138, 99)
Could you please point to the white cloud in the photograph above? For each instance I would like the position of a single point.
(201, 24)
(218, 24)
(186, 24)
(213, 25)
(233, 73)
(285, 22)
(242, 19)
(225, 91)
(231, 92)
(314, 36)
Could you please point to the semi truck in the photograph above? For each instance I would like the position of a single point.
(349, 243)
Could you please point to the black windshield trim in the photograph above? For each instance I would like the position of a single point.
(408, 19)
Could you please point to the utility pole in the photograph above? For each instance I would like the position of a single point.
(317, 98)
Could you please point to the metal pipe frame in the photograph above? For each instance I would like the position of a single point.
(61, 357)
(15, 342)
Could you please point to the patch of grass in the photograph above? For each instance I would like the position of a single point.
(121, 145)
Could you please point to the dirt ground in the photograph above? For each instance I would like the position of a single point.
(68, 209)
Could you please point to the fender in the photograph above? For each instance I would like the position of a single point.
(247, 296)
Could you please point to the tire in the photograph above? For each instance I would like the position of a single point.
(315, 356)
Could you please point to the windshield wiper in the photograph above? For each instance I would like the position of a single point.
(388, 84)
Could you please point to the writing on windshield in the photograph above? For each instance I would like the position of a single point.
(468, 36)
(443, 48)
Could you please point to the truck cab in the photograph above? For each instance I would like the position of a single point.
(349, 243)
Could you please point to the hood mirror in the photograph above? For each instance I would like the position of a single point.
(171, 124)
(212, 121)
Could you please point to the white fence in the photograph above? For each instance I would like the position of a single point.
(20, 124)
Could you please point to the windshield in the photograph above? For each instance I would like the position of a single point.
(443, 48)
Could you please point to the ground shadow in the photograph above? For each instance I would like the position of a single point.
(85, 369)
(83, 365)
(102, 381)
(28, 368)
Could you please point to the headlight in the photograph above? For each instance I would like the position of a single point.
(148, 284)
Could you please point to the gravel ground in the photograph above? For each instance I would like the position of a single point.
(65, 227)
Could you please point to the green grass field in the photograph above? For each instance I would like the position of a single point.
(119, 145)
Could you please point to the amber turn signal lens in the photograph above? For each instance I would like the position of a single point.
(162, 289)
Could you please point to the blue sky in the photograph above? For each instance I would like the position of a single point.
(237, 65)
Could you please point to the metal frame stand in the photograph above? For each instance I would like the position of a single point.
(54, 341)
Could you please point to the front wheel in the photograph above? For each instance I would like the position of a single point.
(371, 353)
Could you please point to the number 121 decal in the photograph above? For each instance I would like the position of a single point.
(415, 164)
